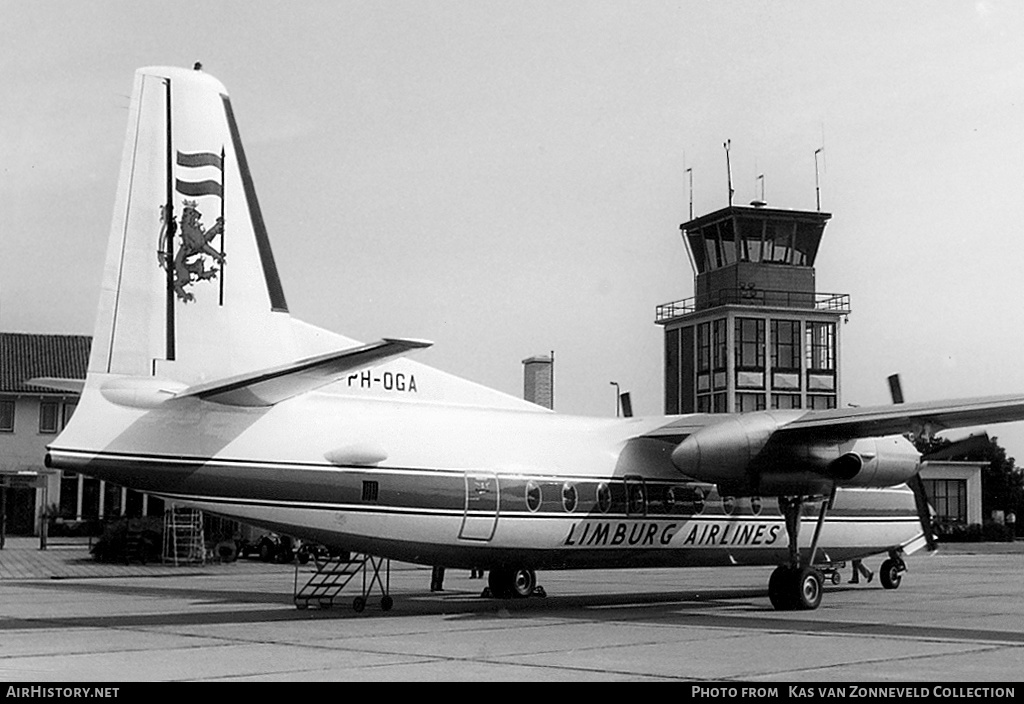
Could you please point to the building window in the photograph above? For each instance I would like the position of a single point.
(750, 343)
(704, 347)
(69, 410)
(786, 345)
(786, 401)
(747, 403)
(817, 402)
(48, 417)
(672, 370)
(720, 346)
(821, 347)
(949, 499)
(6, 415)
(68, 495)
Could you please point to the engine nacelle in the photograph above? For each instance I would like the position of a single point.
(742, 454)
(723, 453)
(875, 462)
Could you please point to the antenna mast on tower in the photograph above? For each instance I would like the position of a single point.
(728, 168)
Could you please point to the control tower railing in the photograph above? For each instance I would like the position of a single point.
(832, 302)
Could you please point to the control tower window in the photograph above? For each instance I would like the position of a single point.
(750, 343)
(720, 348)
(719, 244)
(821, 346)
(786, 345)
(821, 402)
(748, 403)
(786, 401)
(704, 347)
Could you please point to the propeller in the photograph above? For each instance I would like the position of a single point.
(944, 452)
(924, 511)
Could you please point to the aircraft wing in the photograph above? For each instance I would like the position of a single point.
(267, 387)
(792, 452)
(868, 421)
(896, 419)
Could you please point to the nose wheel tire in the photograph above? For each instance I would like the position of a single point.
(890, 574)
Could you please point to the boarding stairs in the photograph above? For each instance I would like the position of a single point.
(183, 536)
(332, 575)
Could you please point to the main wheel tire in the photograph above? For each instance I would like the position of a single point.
(523, 582)
(386, 602)
(780, 590)
(890, 574)
(807, 589)
(358, 604)
(500, 582)
(511, 583)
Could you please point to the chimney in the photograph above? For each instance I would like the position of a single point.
(538, 384)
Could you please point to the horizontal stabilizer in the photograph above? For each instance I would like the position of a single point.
(267, 387)
(52, 382)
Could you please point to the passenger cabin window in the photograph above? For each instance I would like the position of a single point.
(533, 495)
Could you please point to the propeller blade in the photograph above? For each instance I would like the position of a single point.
(916, 484)
(895, 389)
(924, 511)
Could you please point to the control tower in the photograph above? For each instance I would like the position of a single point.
(757, 334)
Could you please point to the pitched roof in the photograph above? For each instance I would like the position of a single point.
(24, 356)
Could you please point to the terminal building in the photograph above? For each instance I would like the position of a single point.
(30, 418)
(757, 334)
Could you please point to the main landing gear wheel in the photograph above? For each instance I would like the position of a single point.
(891, 573)
(795, 588)
(511, 583)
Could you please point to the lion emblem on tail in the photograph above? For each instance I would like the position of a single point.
(190, 263)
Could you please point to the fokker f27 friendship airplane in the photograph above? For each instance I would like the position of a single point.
(202, 389)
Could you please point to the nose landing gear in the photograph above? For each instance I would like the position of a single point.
(891, 571)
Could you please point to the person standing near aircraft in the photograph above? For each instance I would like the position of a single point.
(437, 579)
(858, 570)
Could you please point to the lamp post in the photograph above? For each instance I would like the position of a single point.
(616, 385)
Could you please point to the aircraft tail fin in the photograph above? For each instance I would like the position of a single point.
(191, 302)
(190, 285)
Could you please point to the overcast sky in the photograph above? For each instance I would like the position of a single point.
(507, 178)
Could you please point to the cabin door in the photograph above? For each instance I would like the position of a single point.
(481, 515)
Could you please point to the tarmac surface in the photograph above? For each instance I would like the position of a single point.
(957, 617)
